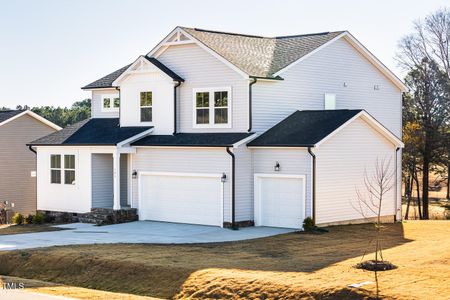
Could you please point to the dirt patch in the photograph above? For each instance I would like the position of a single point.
(290, 266)
(27, 228)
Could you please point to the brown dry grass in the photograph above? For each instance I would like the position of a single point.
(27, 228)
(290, 266)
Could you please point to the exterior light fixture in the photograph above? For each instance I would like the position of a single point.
(224, 177)
(277, 167)
(345, 84)
(376, 87)
(134, 174)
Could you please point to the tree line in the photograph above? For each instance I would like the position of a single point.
(62, 116)
(425, 56)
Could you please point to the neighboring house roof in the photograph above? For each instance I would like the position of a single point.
(107, 81)
(309, 128)
(95, 132)
(260, 56)
(7, 116)
(194, 139)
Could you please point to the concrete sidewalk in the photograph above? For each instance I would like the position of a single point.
(134, 232)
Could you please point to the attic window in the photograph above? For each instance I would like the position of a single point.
(330, 101)
(110, 103)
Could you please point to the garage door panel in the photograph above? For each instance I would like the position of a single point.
(281, 201)
(184, 199)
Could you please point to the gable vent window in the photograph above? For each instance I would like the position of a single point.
(212, 108)
(110, 103)
(330, 101)
(146, 107)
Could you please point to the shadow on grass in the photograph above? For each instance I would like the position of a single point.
(161, 270)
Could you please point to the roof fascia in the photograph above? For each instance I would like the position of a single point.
(245, 140)
(122, 76)
(33, 115)
(135, 137)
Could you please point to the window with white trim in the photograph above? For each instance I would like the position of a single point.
(110, 103)
(146, 105)
(55, 168)
(212, 107)
(57, 172)
(69, 169)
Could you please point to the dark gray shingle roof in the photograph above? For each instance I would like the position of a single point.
(193, 139)
(107, 81)
(96, 131)
(304, 128)
(260, 56)
(8, 114)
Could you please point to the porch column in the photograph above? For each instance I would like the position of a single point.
(116, 180)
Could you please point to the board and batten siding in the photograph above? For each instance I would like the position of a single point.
(183, 160)
(200, 69)
(326, 71)
(292, 161)
(341, 163)
(102, 181)
(96, 104)
(17, 162)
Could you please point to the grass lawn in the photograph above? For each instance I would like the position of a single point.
(290, 266)
(27, 228)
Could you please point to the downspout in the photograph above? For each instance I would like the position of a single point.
(313, 184)
(396, 183)
(175, 107)
(250, 104)
(233, 192)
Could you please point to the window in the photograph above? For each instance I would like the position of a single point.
(55, 168)
(69, 169)
(330, 101)
(212, 107)
(146, 106)
(110, 103)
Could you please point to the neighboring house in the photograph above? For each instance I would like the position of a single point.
(17, 162)
(225, 129)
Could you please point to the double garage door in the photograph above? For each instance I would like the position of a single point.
(198, 199)
(182, 198)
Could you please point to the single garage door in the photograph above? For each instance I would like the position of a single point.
(182, 198)
(279, 200)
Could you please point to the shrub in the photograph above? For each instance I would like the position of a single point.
(28, 219)
(17, 219)
(308, 224)
(38, 218)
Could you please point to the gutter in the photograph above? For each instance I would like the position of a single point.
(313, 156)
(250, 103)
(175, 107)
(30, 147)
(233, 191)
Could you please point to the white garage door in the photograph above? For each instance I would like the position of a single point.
(182, 198)
(279, 200)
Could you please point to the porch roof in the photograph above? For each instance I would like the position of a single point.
(226, 139)
(91, 132)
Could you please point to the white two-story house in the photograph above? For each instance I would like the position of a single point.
(228, 129)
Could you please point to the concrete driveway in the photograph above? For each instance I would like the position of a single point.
(134, 232)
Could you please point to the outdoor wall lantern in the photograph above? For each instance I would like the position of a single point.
(224, 177)
(134, 174)
(277, 167)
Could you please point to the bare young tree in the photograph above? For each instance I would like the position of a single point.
(370, 201)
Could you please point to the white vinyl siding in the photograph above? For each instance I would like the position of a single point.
(200, 69)
(244, 183)
(326, 71)
(97, 110)
(184, 160)
(341, 163)
(292, 162)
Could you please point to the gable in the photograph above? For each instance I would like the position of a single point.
(7, 117)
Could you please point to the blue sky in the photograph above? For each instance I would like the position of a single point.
(50, 48)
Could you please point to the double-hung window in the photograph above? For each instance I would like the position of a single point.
(146, 105)
(110, 103)
(212, 108)
(60, 170)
